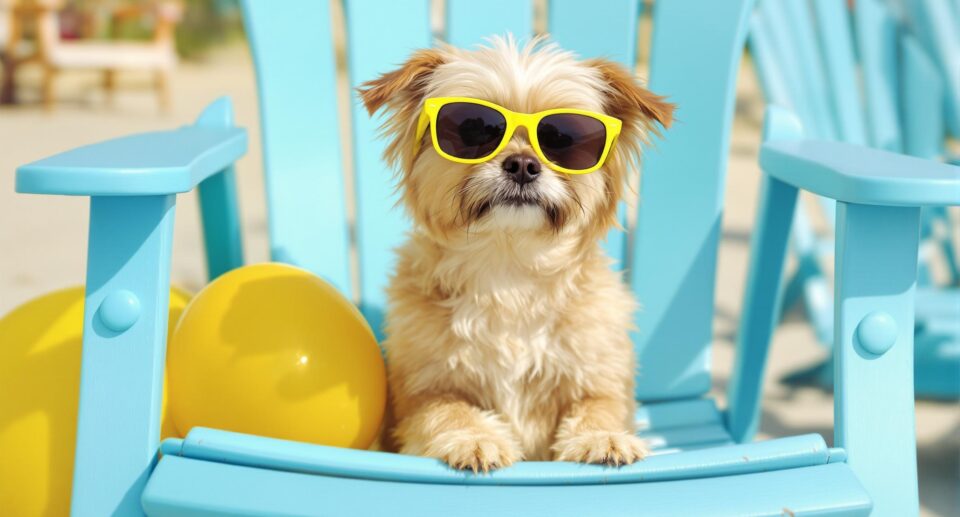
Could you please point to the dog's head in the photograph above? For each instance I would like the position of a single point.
(515, 191)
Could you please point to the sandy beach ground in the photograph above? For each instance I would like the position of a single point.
(42, 239)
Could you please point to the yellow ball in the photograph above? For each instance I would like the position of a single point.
(40, 344)
(273, 350)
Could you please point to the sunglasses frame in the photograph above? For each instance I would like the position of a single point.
(432, 106)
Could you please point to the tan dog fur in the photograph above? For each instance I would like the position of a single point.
(507, 329)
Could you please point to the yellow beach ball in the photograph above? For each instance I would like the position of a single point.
(40, 344)
(273, 350)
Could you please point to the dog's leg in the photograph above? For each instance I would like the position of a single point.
(461, 434)
(594, 430)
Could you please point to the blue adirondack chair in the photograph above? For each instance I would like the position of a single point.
(936, 25)
(806, 60)
(705, 464)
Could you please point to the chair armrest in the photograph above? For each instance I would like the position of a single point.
(858, 174)
(163, 162)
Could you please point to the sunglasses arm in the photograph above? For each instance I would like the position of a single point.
(421, 129)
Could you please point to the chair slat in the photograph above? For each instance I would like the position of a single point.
(922, 98)
(378, 44)
(469, 21)
(293, 54)
(774, 17)
(836, 41)
(678, 226)
(809, 56)
(619, 19)
(261, 452)
(769, 71)
(937, 24)
(877, 41)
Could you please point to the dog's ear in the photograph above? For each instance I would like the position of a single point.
(404, 85)
(642, 113)
(639, 109)
(401, 93)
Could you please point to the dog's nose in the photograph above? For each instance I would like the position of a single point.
(521, 168)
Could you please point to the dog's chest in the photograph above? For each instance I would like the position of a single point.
(512, 363)
(508, 355)
(507, 335)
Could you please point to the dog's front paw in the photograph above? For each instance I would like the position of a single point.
(612, 448)
(475, 451)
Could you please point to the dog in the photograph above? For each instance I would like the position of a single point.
(507, 330)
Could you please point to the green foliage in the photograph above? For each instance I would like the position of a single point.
(208, 23)
(204, 23)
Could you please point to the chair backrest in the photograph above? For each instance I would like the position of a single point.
(936, 23)
(808, 54)
(861, 76)
(694, 60)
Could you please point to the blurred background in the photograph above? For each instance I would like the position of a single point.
(107, 68)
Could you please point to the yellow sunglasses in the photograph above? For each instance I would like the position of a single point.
(466, 130)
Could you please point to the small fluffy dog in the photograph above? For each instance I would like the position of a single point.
(507, 329)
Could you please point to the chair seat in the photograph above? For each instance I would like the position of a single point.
(218, 471)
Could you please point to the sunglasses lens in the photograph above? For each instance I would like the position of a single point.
(572, 141)
(469, 131)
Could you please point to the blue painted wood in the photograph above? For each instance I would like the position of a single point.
(220, 214)
(672, 272)
(677, 413)
(808, 283)
(378, 44)
(770, 75)
(690, 438)
(836, 44)
(921, 110)
(294, 59)
(121, 379)
(922, 117)
(937, 24)
(936, 362)
(816, 92)
(254, 451)
(933, 302)
(856, 174)
(876, 268)
(791, 55)
(877, 43)
(761, 311)
(220, 217)
(469, 22)
(773, 15)
(937, 359)
(162, 162)
(619, 18)
(914, 92)
(186, 488)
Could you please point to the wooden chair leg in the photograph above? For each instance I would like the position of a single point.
(8, 83)
(49, 74)
(109, 84)
(162, 84)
